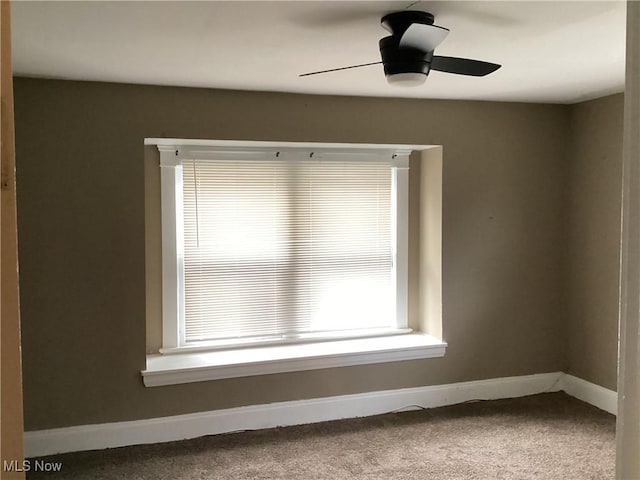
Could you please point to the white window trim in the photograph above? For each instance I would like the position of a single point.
(246, 362)
(189, 364)
(172, 239)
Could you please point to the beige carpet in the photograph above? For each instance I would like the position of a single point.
(548, 436)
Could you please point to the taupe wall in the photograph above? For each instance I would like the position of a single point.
(595, 159)
(82, 225)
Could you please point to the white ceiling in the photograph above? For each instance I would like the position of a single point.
(559, 52)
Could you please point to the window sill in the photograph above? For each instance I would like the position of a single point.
(202, 366)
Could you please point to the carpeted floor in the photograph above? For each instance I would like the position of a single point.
(547, 436)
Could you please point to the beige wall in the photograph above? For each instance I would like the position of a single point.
(81, 185)
(594, 196)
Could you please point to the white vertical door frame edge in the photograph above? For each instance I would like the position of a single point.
(628, 425)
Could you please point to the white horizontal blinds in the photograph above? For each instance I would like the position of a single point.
(277, 248)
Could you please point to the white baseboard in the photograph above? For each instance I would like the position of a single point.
(588, 392)
(180, 427)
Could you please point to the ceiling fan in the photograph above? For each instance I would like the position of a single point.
(408, 53)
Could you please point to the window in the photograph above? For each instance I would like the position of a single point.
(277, 245)
(288, 257)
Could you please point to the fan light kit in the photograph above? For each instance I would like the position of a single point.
(407, 54)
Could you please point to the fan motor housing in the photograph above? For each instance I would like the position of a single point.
(397, 23)
(398, 60)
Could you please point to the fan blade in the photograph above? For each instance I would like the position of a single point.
(423, 37)
(341, 68)
(463, 66)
